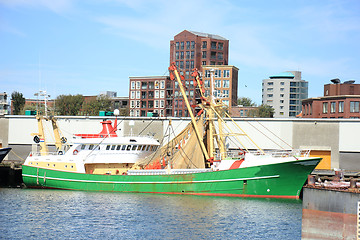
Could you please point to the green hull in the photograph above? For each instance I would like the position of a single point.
(281, 180)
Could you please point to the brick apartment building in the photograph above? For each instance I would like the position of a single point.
(188, 50)
(149, 95)
(340, 100)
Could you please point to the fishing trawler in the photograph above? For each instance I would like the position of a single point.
(194, 162)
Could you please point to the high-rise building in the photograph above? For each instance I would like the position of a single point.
(191, 50)
(284, 92)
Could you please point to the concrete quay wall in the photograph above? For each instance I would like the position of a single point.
(336, 137)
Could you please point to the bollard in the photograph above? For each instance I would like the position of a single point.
(311, 180)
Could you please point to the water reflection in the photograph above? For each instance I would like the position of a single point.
(28, 213)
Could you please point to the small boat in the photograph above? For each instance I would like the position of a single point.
(3, 153)
(194, 162)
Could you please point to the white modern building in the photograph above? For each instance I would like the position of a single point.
(284, 92)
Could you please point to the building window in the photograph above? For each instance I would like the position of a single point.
(187, 54)
(207, 83)
(293, 84)
(226, 73)
(132, 94)
(182, 45)
(341, 107)
(220, 56)
(191, 64)
(270, 83)
(204, 44)
(325, 107)
(192, 54)
(281, 95)
(270, 89)
(270, 95)
(132, 85)
(213, 56)
(217, 73)
(187, 65)
(218, 83)
(156, 93)
(203, 54)
(162, 84)
(354, 107)
(181, 55)
(282, 83)
(220, 46)
(213, 45)
(138, 94)
(281, 101)
(181, 64)
(332, 107)
(187, 44)
(177, 55)
(282, 89)
(226, 83)
(225, 93)
(203, 63)
(192, 44)
(177, 45)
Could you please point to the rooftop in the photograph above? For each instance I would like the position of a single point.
(208, 35)
(283, 75)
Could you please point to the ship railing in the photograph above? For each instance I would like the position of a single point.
(167, 171)
(273, 153)
(36, 154)
(283, 153)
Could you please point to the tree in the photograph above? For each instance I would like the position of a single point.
(101, 103)
(266, 111)
(69, 104)
(246, 102)
(18, 102)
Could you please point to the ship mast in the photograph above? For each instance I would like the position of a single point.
(173, 70)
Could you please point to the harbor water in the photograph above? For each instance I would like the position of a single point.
(61, 214)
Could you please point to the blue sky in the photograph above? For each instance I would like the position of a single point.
(85, 47)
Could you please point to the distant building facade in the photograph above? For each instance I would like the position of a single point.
(189, 50)
(243, 111)
(340, 100)
(285, 92)
(225, 80)
(160, 96)
(4, 106)
(148, 96)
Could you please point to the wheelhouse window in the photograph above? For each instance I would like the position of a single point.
(134, 147)
(118, 147)
(108, 147)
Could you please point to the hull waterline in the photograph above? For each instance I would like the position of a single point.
(280, 180)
